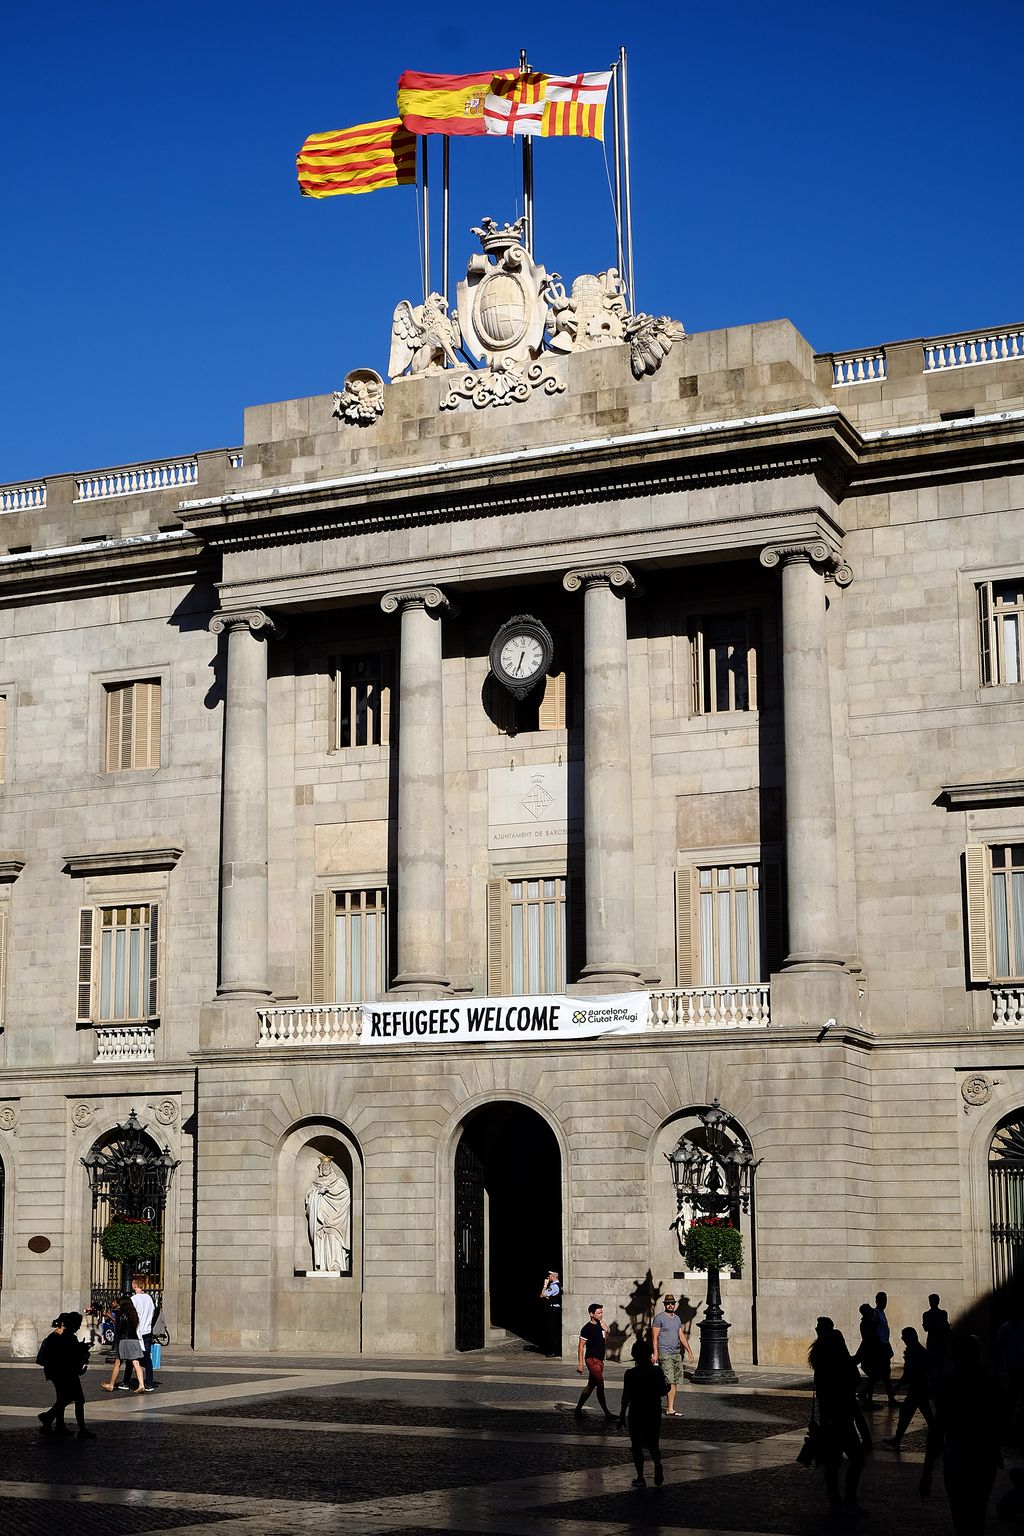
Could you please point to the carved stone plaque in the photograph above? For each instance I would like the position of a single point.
(528, 807)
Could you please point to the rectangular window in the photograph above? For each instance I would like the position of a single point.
(350, 946)
(1007, 889)
(527, 936)
(729, 921)
(1001, 630)
(118, 965)
(362, 701)
(131, 734)
(544, 708)
(724, 647)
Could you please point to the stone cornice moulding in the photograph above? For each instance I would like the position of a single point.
(431, 598)
(816, 552)
(10, 869)
(964, 797)
(254, 620)
(615, 576)
(121, 861)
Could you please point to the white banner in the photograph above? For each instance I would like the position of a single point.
(506, 1020)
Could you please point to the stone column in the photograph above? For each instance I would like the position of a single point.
(420, 879)
(608, 790)
(812, 861)
(243, 843)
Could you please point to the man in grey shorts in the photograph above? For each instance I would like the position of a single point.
(669, 1341)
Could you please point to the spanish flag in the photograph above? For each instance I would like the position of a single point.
(357, 159)
(451, 104)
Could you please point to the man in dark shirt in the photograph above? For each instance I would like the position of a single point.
(917, 1382)
(642, 1391)
(591, 1354)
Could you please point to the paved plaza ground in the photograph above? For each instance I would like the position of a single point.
(482, 1445)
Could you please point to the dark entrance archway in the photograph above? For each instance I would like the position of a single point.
(508, 1223)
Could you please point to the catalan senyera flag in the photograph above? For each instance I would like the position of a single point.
(357, 159)
(574, 105)
(515, 105)
(451, 104)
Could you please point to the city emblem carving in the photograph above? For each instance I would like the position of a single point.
(8, 1117)
(82, 1116)
(976, 1089)
(166, 1111)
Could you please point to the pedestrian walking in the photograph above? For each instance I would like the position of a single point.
(590, 1355)
(937, 1334)
(145, 1308)
(669, 1341)
(870, 1354)
(969, 1418)
(835, 1391)
(643, 1388)
(127, 1346)
(551, 1315)
(64, 1357)
(917, 1383)
(886, 1351)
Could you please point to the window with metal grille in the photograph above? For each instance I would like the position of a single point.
(730, 924)
(131, 728)
(724, 650)
(1001, 622)
(360, 946)
(362, 701)
(536, 936)
(118, 949)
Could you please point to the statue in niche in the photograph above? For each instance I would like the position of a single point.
(329, 1217)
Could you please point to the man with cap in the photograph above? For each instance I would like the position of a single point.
(551, 1302)
(669, 1341)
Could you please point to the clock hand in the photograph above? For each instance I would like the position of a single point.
(519, 669)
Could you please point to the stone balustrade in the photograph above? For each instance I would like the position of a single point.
(125, 1042)
(861, 368)
(1008, 1007)
(174, 475)
(678, 1008)
(967, 351)
(23, 498)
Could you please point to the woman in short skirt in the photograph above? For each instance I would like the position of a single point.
(127, 1344)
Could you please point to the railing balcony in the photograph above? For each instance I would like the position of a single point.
(1008, 1007)
(686, 1008)
(863, 368)
(171, 476)
(23, 498)
(125, 1042)
(968, 351)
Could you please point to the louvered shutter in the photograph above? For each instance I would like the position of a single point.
(988, 671)
(150, 745)
(496, 963)
(685, 945)
(322, 966)
(773, 924)
(552, 705)
(85, 965)
(155, 952)
(976, 892)
(754, 699)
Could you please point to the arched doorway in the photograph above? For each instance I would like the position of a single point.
(508, 1222)
(128, 1178)
(1006, 1200)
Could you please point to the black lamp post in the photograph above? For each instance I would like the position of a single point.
(712, 1180)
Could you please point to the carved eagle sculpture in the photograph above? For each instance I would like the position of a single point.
(423, 337)
(650, 340)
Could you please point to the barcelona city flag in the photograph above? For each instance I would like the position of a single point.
(574, 105)
(450, 104)
(357, 159)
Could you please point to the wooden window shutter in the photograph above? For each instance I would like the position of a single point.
(696, 644)
(773, 918)
(576, 926)
(385, 700)
(86, 966)
(552, 705)
(754, 700)
(985, 632)
(685, 937)
(322, 967)
(149, 745)
(153, 1001)
(976, 896)
(112, 732)
(496, 947)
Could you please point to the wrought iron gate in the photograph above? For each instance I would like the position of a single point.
(128, 1175)
(1006, 1200)
(469, 1247)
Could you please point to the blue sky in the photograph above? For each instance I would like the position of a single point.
(855, 169)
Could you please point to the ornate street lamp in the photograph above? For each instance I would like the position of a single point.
(714, 1180)
(129, 1178)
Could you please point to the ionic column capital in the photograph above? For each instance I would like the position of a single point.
(614, 576)
(813, 552)
(254, 620)
(430, 598)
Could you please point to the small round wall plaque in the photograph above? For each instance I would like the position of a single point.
(82, 1116)
(38, 1245)
(167, 1111)
(976, 1089)
(8, 1117)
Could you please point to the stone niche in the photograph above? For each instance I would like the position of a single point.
(311, 1310)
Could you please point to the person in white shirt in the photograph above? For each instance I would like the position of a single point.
(146, 1308)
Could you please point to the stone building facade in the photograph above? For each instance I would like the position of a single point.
(256, 768)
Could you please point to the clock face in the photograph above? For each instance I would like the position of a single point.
(521, 657)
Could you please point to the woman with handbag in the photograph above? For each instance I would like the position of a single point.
(127, 1345)
(835, 1395)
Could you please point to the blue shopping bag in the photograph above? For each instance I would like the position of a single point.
(154, 1355)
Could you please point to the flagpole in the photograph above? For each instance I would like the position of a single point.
(625, 180)
(445, 167)
(617, 167)
(425, 195)
(527, 167)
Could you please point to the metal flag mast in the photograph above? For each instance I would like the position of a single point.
(617, 171)
(524, 69)
(627, 204)
(445, 168)
(425, 199)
